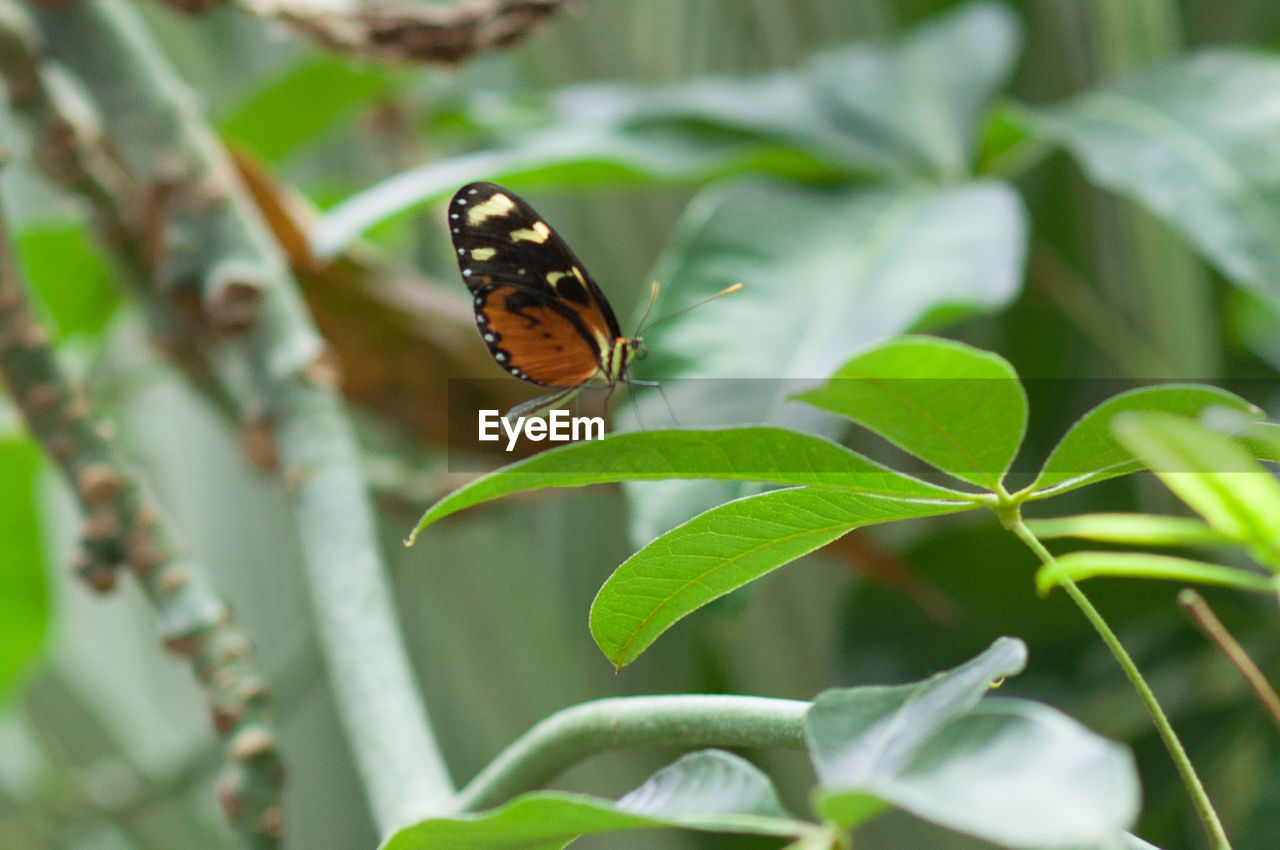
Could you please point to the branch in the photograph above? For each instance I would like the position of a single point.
(571, 735)
(68, 145)
(400, 32)
(212, 242)
(123, 525)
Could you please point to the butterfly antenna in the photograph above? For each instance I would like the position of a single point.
(653, 299)
(726, 291)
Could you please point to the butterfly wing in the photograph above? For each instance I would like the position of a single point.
(534, 338)
(543, 318)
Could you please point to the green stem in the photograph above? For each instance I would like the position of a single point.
(1204, 808)
(569, 736)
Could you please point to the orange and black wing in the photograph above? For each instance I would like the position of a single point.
(543, 318)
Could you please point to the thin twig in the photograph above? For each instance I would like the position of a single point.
(1200, 612)
(124, 526)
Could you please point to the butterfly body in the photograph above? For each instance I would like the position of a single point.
(541, 315)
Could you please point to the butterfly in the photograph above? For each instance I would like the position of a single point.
(542, 316)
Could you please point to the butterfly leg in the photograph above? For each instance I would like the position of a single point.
(541, 403)
(657, 385)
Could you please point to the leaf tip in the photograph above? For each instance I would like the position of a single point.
(1016, 651)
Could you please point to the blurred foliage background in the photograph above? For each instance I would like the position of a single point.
(104, 743)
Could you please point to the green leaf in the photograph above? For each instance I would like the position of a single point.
(773, 455)
(907, 110)
(1089, 453)
(1133, 529)
(583, 155)
(1215, 476)
(709, 782)
(927, 93)
(709, 790)
(961, 409)
(330, 89)
(1009, 147)
(1078, 566)
(24, 606)
(1253, 319)
(858, 733)
(1014, 772)
(724, 548)
(826, 273)
(1262, 439)
(1190, 142)
(55, 254)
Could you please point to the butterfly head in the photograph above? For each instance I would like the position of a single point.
(637, 348)
(626, 349)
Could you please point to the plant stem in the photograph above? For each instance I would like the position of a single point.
(1204, 807)
(568, 736)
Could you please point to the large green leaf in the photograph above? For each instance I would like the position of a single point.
(863, 732)
(1214, 475)
(1089, 453)
(591, 153)
(1013, 772)
(906, 110)
(1193, 142)
(773, 455)
(826, 273)
(709, 790)
(719, 551)
(24, 609)
(1078, 566)
(927, 94)
(961, 409)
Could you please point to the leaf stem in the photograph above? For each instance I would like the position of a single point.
(1204, 807)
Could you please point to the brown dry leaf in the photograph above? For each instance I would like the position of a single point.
(397, 338)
